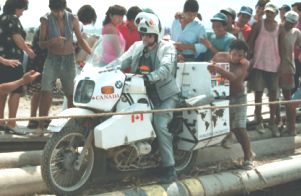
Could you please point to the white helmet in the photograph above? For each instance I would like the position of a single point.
(148, 23)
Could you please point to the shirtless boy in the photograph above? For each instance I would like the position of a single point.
(238, 115)
(56, 34)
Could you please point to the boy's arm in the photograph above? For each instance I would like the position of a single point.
(82, 42)
(213, 68)
(238, 75)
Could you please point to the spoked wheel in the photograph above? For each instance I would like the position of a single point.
(59, 167)
(185, 160)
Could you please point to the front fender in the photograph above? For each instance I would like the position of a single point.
(56, 125)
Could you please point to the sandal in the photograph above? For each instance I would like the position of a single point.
(9, 130)
(33, 124)
(248, 165)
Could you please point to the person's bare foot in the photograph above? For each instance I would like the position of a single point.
(11, 124)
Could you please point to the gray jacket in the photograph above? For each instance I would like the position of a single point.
(164, 74)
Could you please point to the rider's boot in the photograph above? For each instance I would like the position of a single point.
(169, 175)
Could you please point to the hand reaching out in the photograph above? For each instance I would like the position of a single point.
(30, 76)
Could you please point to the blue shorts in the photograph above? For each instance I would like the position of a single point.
(62, 67)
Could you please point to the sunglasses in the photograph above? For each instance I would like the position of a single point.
(146, 34)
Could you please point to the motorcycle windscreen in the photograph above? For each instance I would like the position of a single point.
(107, 49)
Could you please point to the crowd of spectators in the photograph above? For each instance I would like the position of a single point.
(273, 49)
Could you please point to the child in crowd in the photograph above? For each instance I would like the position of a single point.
(186, 32)
(239, 66)
(128, 28)
(218, 40)
(282, 11)
(56, 35)
(231, 14)
(242, 29)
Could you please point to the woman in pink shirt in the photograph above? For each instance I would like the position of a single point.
(113, 40)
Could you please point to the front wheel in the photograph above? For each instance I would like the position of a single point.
(60, 158)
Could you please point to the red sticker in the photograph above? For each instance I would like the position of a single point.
(137, 117)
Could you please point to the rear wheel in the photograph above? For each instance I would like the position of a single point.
(60, 158)
(185, 160)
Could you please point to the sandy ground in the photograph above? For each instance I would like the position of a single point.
(24, 109)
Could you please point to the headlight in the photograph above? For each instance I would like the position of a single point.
(84, 91)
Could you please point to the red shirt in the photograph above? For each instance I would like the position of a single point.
(246, 31)
(130, 36)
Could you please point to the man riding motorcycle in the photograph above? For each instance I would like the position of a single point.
(155, 59)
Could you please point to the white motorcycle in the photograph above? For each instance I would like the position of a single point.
(83, 148)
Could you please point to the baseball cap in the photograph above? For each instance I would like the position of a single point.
(271, 7)
(291, 17)
(220, 17)
(229, 11)
(285, 7)
(246, 10)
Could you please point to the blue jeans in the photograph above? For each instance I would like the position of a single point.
(161, 121)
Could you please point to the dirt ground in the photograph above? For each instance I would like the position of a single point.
(24, 108)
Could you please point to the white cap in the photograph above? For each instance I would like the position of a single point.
(291, 17)
(271, 7)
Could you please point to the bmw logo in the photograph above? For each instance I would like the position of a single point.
(118, 84)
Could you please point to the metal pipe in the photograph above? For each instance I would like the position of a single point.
(240, 182)
(20, 159)
(227, 183)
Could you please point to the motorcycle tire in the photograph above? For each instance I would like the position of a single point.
(185, 163)
(58, 161)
